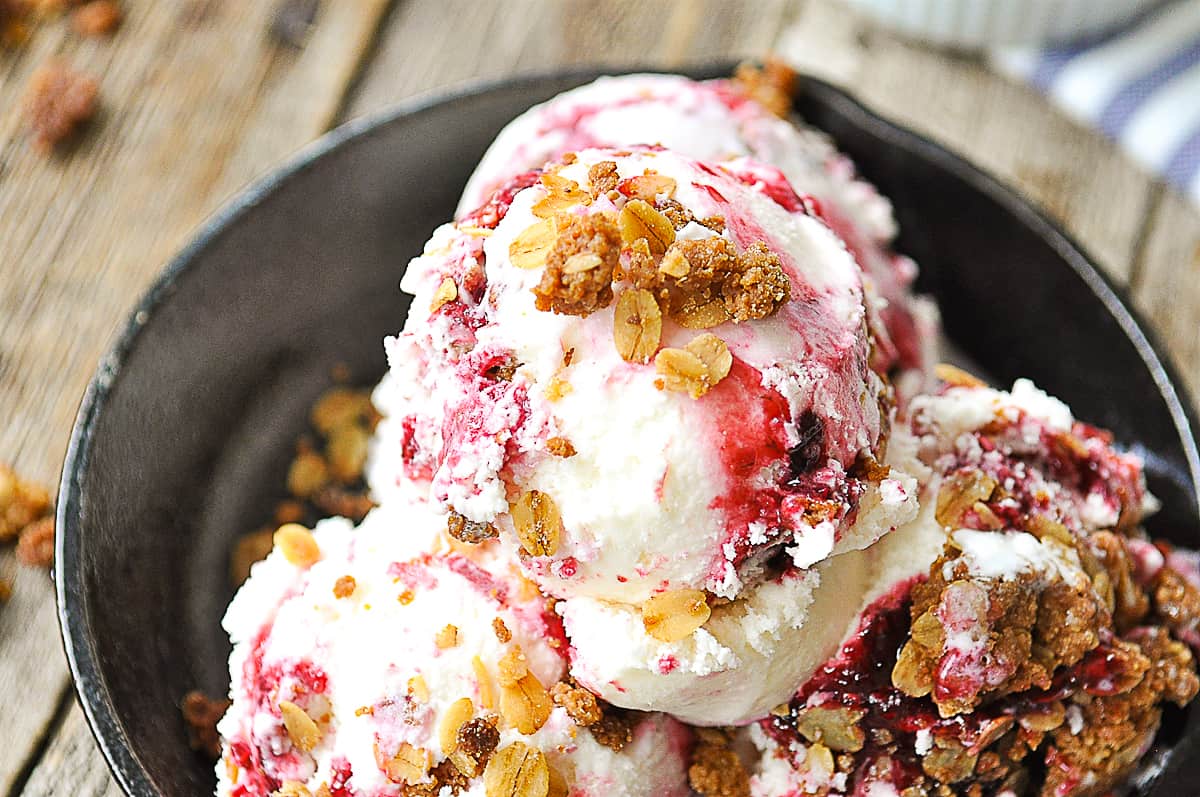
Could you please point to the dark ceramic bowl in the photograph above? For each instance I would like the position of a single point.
(184, 435)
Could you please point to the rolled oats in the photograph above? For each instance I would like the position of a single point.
(637, 326)
(529, 249)
(675, 615)
(538, 523)
(638, 219)
(517, 771)
(297, 545)
(301, 728)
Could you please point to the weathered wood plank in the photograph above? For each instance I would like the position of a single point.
(196, 99)
(33, 670)
(1166, 286)
(72, 764)
(419, 53)
(1077, 176)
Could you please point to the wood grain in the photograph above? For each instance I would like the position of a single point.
(1080, 179)
(1167, 284)
(198, 101)
(72, 764)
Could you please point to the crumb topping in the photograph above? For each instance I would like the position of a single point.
(471, 532)
(581, 705)
(579, 266)
(560, 447)
(716, 770)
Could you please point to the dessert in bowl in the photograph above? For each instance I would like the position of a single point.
(671, 498)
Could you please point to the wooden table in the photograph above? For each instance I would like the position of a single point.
(198, 100)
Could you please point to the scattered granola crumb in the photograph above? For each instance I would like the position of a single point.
(58, 102)
(579, 266)
(477, 740)
(501, 631)
(97, 18)
(344, 587)
(771, 85)
(560, 447)
(201, 713)
(21, 503)
(716, 770)
(13, 27)
(581, 705)
(35, 546)
(603, 177)
(614, 729)
(447, 637)
(471, 532)
(341, 406)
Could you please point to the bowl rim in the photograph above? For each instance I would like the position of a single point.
(78, 642)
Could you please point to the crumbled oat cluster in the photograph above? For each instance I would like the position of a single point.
(716, 770)
(699, 284)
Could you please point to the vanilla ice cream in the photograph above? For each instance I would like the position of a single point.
(359, 671)
(662, 491)
(715, 121)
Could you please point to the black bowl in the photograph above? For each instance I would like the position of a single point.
(184, 435)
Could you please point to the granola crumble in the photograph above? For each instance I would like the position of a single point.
(469, 531)
(579, 267)
(716, 770)
(21, 503)
(603, 177)
(560, 447)
(581, 705)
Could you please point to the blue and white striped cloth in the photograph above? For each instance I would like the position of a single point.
(1140, 86)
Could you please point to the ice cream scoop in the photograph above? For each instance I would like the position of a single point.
(376, 659)
(649, 373)
(1024, 599)
(716, 121)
